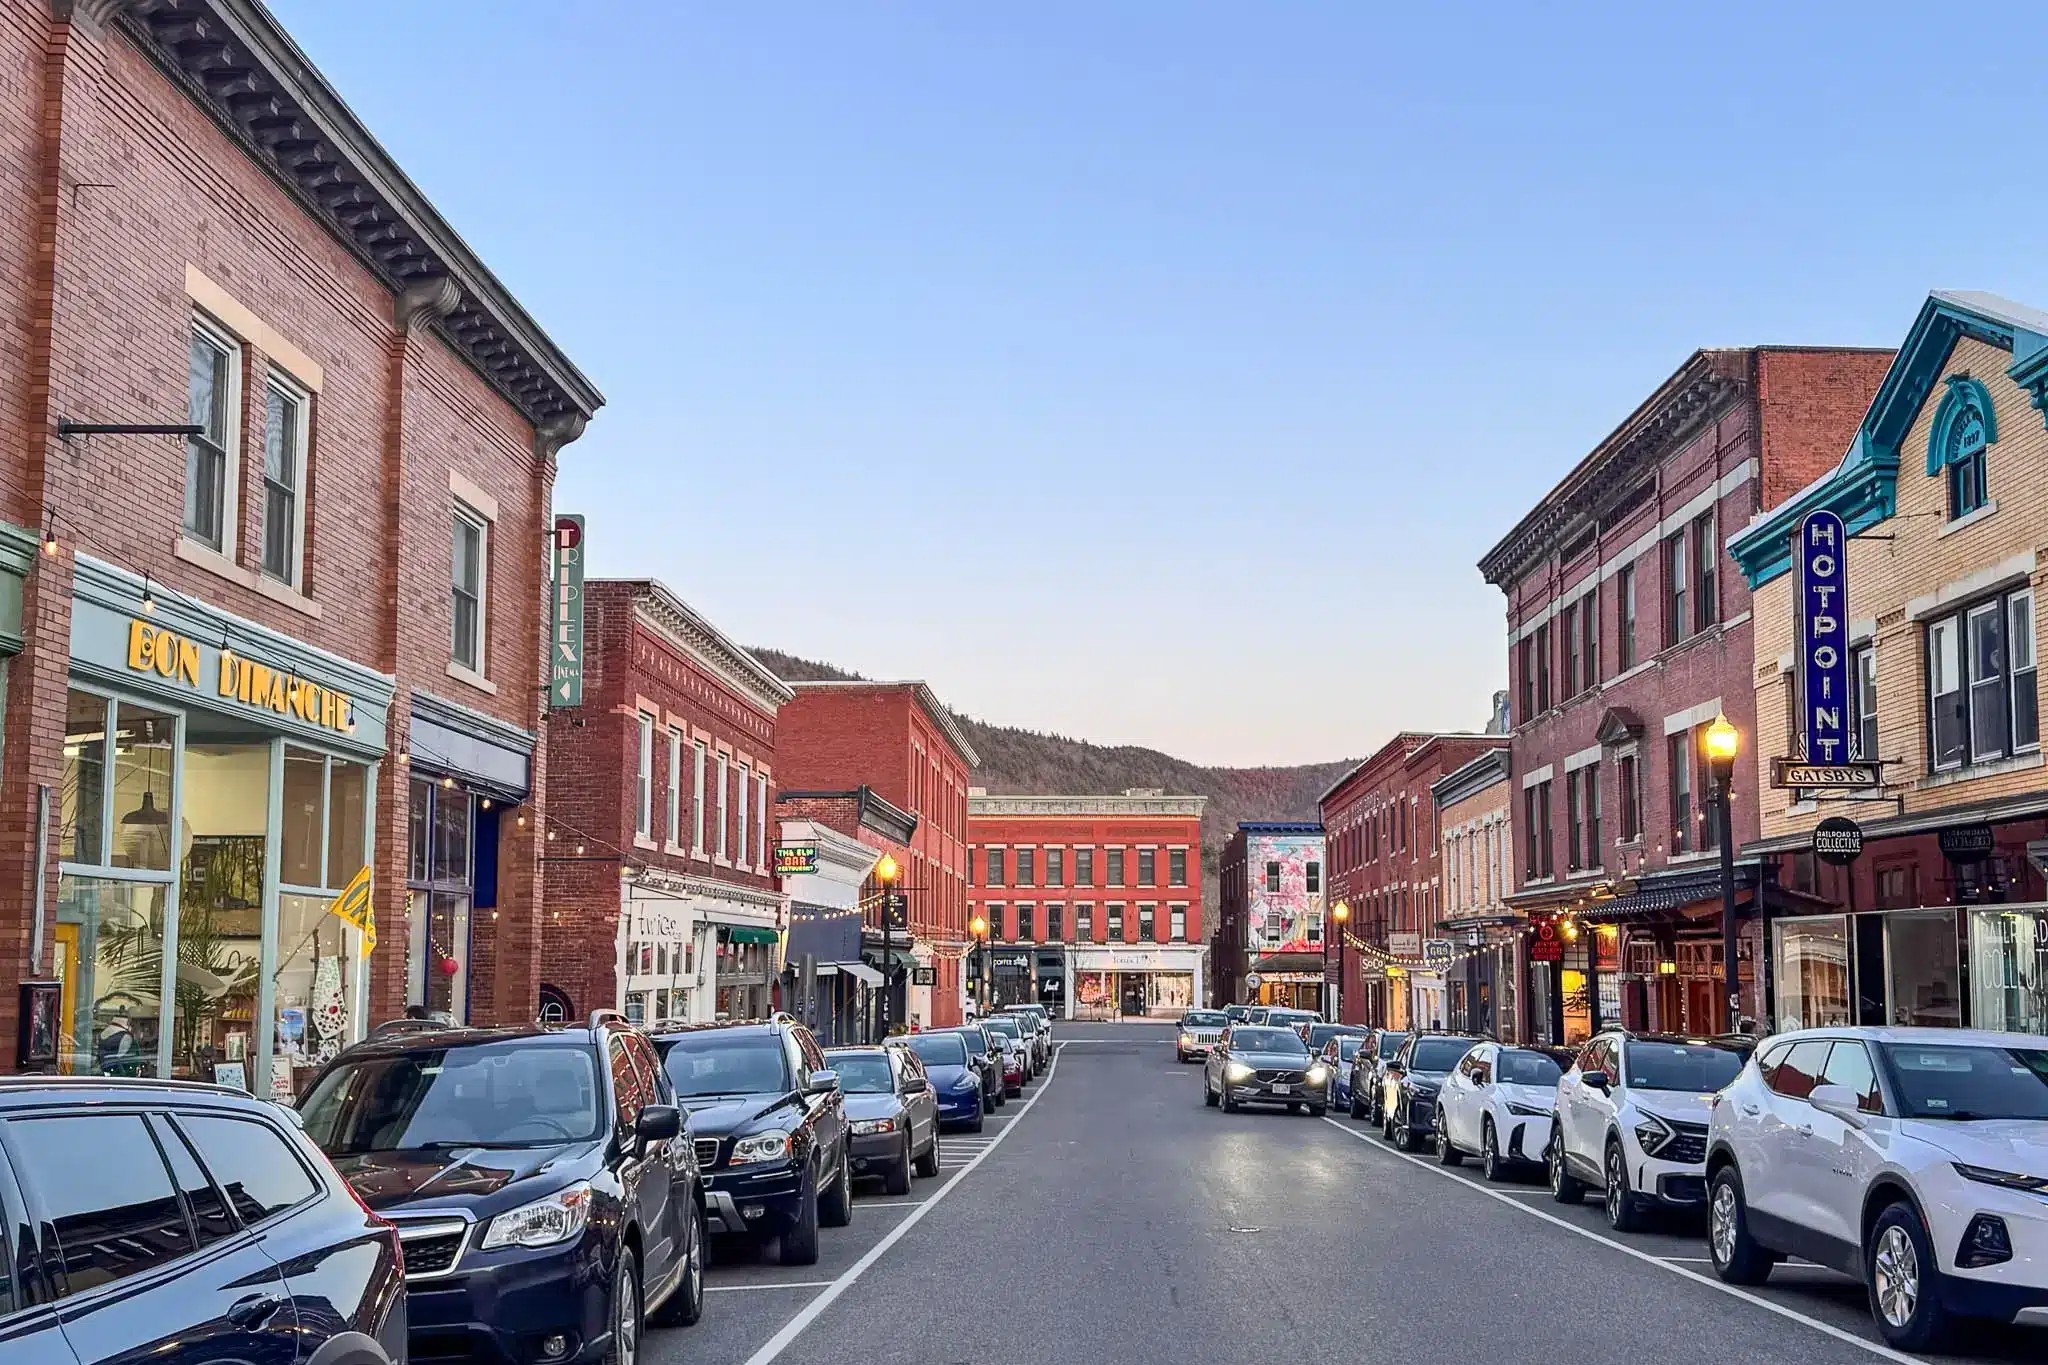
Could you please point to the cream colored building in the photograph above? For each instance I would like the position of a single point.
(1475, 841)
(1944, 491)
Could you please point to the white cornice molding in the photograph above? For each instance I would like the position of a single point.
(1186, 807)
(741, 897)
(687, 632)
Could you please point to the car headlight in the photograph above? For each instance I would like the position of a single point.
(760, 1147)
(1186, 1038)
(1318, 1074)
(1652, 1132)
(1527, 1111)
(1415, 1087)
(2007, 1180)
(968, 1080)
(1238, 1071)
(544, 1222)
(864, 1126)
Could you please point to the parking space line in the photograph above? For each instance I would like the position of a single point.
(773, 1348)
(780, 1284)
(1827, 1329)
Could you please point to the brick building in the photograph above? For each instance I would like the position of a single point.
(1091, 902)
(1628, 632)
(1943, 919)
(661, 890)
(1269, 920)
(1379, 820)
(899, 741)
(299, 633)
(835, 839)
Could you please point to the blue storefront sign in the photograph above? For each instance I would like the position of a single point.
(1824, 636)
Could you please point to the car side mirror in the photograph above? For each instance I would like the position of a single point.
(821, 1083)
(1595, 1080)
(658, 1123)
(915, 1085)
(1840, 1101)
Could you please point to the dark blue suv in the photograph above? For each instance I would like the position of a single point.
(538, 1176)
(180, 1223)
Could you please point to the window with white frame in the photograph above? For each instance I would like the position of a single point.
(697, 803)
(723, 781)
(213, 398)
(745, 780)
(761, 822)
(1863, 700)
(1981, 682)
(285, 418)
(471, 547)
(643, 809)
(675, 787)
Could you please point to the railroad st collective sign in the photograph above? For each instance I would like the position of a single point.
(1837, 841)
(1824, 636)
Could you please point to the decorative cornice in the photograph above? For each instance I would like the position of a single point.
(1474, 776)
(686, 631)
(926, 698)
(743, 897)
(1184, 807)
(97, 12)
(234, 61)
(430, 301)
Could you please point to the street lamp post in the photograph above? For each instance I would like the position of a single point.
(1341, 913)
(1722, 743)
(886, 873)
(979, 928)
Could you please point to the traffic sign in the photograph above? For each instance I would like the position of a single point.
(1838, 841)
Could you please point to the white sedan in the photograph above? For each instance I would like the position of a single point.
(1497, 1104)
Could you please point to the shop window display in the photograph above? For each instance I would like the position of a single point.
(437, 946)
(2009, 969)
(1812, 965)
(1920, 950)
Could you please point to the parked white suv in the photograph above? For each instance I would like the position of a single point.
(1913, 1159)
(1497, 1105)
(1632, 1121)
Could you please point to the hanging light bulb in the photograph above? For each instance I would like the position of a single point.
(522, 820)
(551, 836)
(448, 782)
(486, 802)
(148, 597)
(50, 535)
(404, 757)
(579, 850)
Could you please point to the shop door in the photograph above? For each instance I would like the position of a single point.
(1703, 1007)
(1132, 987)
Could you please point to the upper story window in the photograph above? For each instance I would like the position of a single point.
(1536, 830)
(1084, 867)
(1863, 701)
(284, 477)
(471, 547)
(1706, 563)
(1176, 867)
(1314, 883)
(1148, 867)
(1589, 640)
(1026, 872)
(1965, 425)
(1981, 682)
(675, 787)
(1569, 631)
(1526, 674)
(1625, 617)
(1116, 867)
(697, 800)
(1273, 876)
(1543, 667)
(1055, 867)
(1677, 586)
(1679, 761)
(643, 811)
(996, 859)
(213, 398)
(1629, 777)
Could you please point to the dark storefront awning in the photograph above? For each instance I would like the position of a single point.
(1288, 962)
(741, 933)
(1657, 895)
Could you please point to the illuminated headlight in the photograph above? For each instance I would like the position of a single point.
(968, 1080)
(761, 1147)
(1318, 1074)
(863, 1127)
(1527, 1111)
(1653, 1133)
(1238, 1071)
(544, 1222)
(2008, 1180)
(1187, 1039)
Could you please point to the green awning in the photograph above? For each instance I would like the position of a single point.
(742, 934)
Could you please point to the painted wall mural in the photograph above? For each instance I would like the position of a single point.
(1286, 915)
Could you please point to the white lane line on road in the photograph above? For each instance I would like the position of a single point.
(738, 1288)
(773, 1348)
(1827, 1329)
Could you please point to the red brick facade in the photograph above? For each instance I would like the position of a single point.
(1096, 836)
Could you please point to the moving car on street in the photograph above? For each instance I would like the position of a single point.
(1368, 1072)
(1199, 1031)
(186, 1224)
(1497, 1105)
(1014, 1046)
(768, 1125)
(987, 1054)
(538, 1178)
(1913, 1159)
(1409, 1083)
(891, 1113)
(1632, 1121)
(1254, 1065)
(955, 1083)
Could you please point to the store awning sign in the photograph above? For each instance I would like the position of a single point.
(1966, 843)
(565, 647)
(1824, 636)
(1797, 774)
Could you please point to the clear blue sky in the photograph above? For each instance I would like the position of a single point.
(1158, 372)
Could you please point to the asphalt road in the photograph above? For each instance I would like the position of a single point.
(1116, 1218)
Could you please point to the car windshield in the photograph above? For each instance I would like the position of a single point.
(1347, 1048)
(1007, 1027)
(939, 1049)
(1249, 1038)
(1289, 1018)
(1680, 1066)
(1204, 1019)
(1318, 1034)
(975, 1040)
(1952, 1081)
(728, 1064)
(1390, 1043)
(1527, 1068)
(862, 1073)
(504, 1094)
(1438, 1054)
(1236, 1014)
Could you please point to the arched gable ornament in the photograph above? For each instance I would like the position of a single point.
(1964, 424)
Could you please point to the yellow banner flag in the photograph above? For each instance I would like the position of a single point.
(353, 905)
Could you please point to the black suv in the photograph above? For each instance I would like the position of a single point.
(769, 1125)
(547, 1200)
(183, 1223)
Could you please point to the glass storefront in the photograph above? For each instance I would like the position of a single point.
(1925, 973)
(2009, 968)
(440, 824)
(1811, 961)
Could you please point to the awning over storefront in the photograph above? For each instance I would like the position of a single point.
(741, 933)
(1288, 962)
(1659, 895)
(859, 971)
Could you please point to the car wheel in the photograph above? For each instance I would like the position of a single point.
(1229, 1100)
(1357, 1109)
(625, 1311)
(1904, 1282)
(835, 1210)
(1208, 1095)
(686, 1304)
(1490, 1164)
(800, 1242)
(1737, 1257)
(897, 1179)
(1623, 1213)
(1316, 1111)
(1446, 1153)
(928, 1164)
(1294, 1108)
(1565, 1187)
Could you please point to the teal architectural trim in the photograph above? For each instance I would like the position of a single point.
(1863, 488)
(17, 561)
(1964, 424)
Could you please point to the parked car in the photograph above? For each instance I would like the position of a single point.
(1368, 1072)
(1037, 1036)
(1338, 1054)
(1315, 1035)
(1913, 1159)
(955, 1084)
(1037, 1011)
(1294, 1019)
(276, 1261)
(1012, 1032)
(1632, 1121)
(987, 1053)
(1409, 1083)
(768, 1124)
(1257, 1015)
(1198, 1032)
(1497, 1105)
(538, 1179)
(1255, 1065)
(1238, 1014)
(891, 1113)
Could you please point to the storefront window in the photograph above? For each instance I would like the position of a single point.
(222, 821)
(1812, 967)
(85, 780)
(438, 913)
(109, 955)
(2009, 969)
(314, 985)
(145, 742)
(1920, 950)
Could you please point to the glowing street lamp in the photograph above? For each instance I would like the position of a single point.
(979, 928)
(886, 873)
(1721, 743)
(1341, 914)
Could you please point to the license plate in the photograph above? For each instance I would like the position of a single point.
(1283, 1088)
